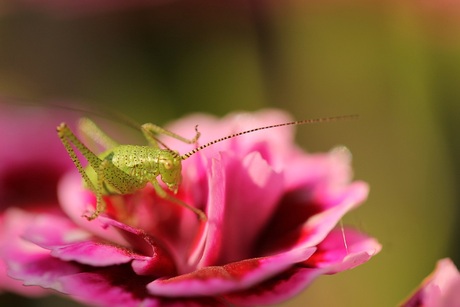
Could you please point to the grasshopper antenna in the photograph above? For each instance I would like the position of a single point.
(298, 122)
(99, 112)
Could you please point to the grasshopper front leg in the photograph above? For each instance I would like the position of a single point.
(163, 194)
(150, 130)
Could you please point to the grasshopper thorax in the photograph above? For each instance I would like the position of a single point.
(170, 168)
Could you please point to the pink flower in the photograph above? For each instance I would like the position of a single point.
(271, 210)
(31, 164)
(440, 289)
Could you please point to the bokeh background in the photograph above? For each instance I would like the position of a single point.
(395, 63)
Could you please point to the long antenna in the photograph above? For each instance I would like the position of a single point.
(298, 122)
(99, 112)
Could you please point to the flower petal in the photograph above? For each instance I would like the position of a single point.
(285, 232)
(49, 230)
(70, 243)
(151, 258)
(276, 289)
(251, 189)
(28, 177)
(92, 253)
(76, 201)
(118, 286)
(228, 278)
(27, 261)
(331, 257)
(343, 249)
(440, 289)
(11, 226)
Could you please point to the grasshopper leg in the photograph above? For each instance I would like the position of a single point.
(100, 203)
(68, 139)
(162, 193)
(150, 130)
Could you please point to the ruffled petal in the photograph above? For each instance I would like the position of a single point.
(149, 256)
(12, 285)
(343, 249)
(300, 221)
(252, 196)
(211, 242)
(118, 287)
(70, 243)
(29, 170)
(238, 190)
(276, 289)
(440, 289)
(215, 280)
(50, 230)
(75, 201)
(11, 226)
(332, 256)
(167, 223)
(28, 262)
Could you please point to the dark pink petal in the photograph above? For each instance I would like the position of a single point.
(8, 233)
(51, 230)
(252, 190)
(440, 289)
(276, 289)
(343, 249)
(76, 201)
(328, 177)
(215, 280)
(208, 248)
(30, 166)
(331, 257)
(70, 243)
(117, 286)
(151, 257)
(176, 227)
(252, 198)
(27, 261)
(167, 221)
(17, 286)
(92, 253)
(288, 229)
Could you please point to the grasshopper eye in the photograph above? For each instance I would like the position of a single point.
(167, 164)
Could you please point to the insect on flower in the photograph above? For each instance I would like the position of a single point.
(124, 169)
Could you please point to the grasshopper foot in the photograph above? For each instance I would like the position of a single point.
(91, 216)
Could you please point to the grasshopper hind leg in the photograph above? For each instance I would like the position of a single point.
(100, 203)
(94, 135)
(69, 140)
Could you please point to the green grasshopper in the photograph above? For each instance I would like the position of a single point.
(125, 169)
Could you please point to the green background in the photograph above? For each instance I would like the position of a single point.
(395, 64)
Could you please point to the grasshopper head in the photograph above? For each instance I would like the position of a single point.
(170, 169)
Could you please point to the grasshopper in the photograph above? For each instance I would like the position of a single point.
(125, 169)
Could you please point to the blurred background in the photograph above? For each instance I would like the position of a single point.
(395, 63)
